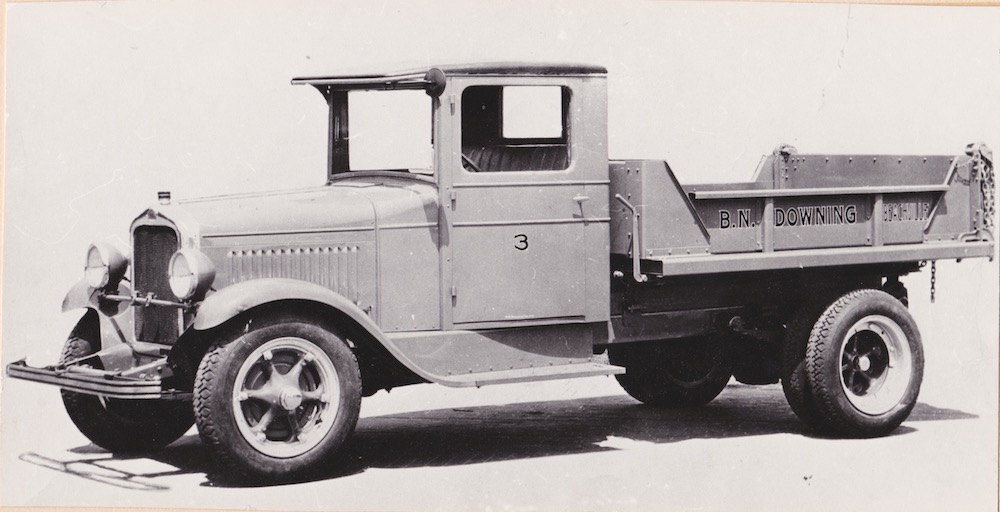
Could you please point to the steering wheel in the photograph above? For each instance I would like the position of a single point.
(471, 163)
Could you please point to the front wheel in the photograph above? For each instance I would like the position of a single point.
(679, 373)
(864, 364)
(122, 425)
(279, 400)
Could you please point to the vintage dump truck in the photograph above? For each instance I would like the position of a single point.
(518, 252)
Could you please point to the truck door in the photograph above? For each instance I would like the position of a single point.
(517, 233)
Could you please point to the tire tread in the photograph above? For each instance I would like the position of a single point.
(232, 457)
(794, 381)
(826, 391)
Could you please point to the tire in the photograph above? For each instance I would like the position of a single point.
(864, 364)
(121, 426)
(263, 423)
(794, 382)
(895, 288)
(681, 373)
(753, 361)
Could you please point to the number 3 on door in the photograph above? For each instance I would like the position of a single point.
(520, 242)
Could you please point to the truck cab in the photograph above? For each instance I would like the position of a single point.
(520, 168)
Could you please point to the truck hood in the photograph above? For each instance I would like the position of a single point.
(342, 206)
(316, 209)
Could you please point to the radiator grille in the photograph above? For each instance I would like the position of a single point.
(335, 268)
(153, 246)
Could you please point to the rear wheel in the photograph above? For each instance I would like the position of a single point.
(278, 401)
(122, 425)
(681, 373)
(793, 365)
(864, 364)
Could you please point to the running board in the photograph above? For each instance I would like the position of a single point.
(566, 371)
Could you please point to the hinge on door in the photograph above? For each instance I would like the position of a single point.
(454, 291)
(451, 102)
(453, 197)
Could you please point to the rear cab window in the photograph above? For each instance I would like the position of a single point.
(515, 128)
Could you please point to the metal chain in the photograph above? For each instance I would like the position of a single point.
(987, 186)
(982, 163)
(933, 279)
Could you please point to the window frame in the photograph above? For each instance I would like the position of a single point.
(498, 138)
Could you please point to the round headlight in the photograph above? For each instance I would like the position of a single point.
(106, 266)
(190, 273)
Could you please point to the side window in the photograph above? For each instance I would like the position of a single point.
(515, 128)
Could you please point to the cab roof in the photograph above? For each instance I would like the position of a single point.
(432, 78)
(489, 68)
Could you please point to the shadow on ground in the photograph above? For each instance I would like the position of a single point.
(458, 436)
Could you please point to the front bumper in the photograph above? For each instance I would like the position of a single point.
(128, 368)
(95, 382)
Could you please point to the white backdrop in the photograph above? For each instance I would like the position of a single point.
(108, 103)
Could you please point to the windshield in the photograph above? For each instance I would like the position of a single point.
(390, 130)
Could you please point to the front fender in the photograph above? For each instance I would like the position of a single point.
(229, 302)
(225, 304)
(103, 321)
(81, 295)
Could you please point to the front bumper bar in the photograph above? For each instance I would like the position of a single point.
(93, 382)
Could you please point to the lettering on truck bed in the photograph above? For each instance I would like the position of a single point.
(823, 215)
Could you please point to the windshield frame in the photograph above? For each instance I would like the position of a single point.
(338, 139)
(335, 90)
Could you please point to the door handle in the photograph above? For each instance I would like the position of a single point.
(580, 199)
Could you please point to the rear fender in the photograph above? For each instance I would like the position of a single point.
(228, 303)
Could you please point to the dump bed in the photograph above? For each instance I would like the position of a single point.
(804, 211)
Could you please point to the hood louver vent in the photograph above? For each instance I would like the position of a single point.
(335, 268)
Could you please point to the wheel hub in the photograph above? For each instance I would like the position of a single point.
(290, 398)
(863, 363)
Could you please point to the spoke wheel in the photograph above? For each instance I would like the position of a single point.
(864, 364)
(875, 364)
(278, 401)
(287, 396)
